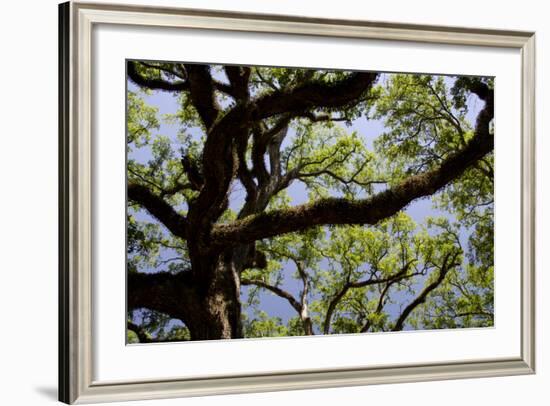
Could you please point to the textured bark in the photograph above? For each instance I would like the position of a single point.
(218, 314)
(210, 311)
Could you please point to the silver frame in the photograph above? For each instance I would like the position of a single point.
(75, 211)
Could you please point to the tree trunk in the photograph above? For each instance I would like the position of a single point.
(308, 326)
(217, 313)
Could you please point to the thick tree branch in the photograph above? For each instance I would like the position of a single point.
(239, 77)
(367, 211)
(255, 259)
(166, 69)
(161, 84)
(315, 95)
(219, 168)
(163, 291)
(159, 208)
(201, 88)
(154, 83)
(295, 103)
(246, 178)
(317, 118)
(220, 159)
(479, 88)
(192, 171)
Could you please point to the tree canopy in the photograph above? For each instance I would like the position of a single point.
(213, 227)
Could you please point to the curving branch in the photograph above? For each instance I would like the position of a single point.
(219, 167)
(159, 208)
(275, 289)
(360, 284)
(154, 83)
(352, 180)
(315, 95)
(289, 104)
(161, 84)
(201, 89)
(332, 307)
(192, 171)
(164, 191)
(477, 87)
(301, 306)
(239, 77)
(379, 306)
(448, 264)
(263, 136)
(318, 118)
(168, 70)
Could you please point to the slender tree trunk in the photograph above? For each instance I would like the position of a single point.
(308, 326)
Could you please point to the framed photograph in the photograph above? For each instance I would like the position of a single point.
(263, 202)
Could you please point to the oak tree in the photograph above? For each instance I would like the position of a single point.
(360, 263)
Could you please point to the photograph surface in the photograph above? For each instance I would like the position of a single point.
(283, 201)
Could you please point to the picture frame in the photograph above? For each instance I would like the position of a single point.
(76, 214)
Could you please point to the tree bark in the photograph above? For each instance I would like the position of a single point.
(217, 314)
(209, 307)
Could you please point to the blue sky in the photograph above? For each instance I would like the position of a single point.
(369, 130)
